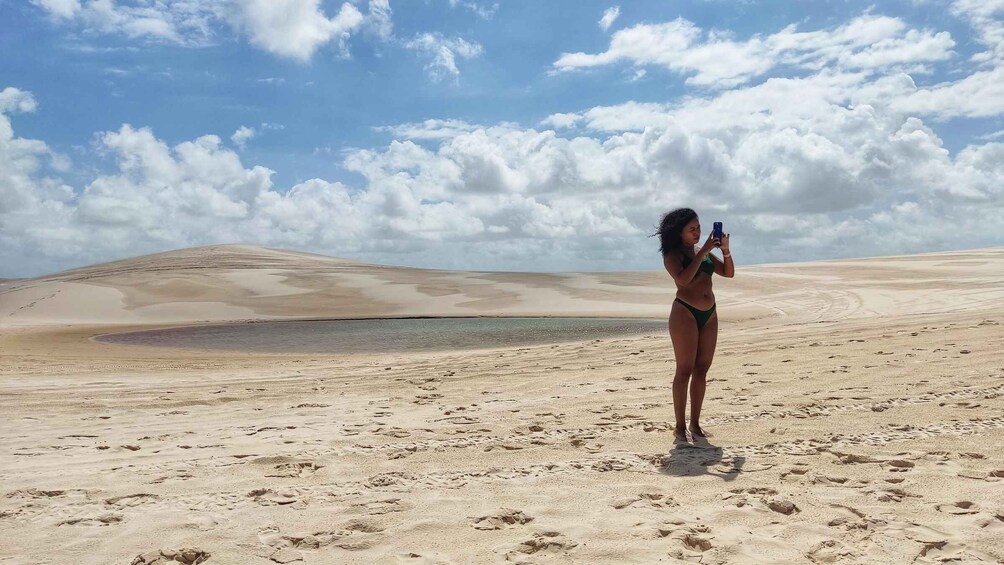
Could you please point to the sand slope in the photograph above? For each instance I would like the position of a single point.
(238, 282)
(857, 409)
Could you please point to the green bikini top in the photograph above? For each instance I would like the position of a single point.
(707, 265)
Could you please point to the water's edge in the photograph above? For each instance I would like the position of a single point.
(384, 335)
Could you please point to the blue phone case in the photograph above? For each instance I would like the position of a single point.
(717, 230)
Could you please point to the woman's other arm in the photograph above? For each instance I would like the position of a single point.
(724, 267)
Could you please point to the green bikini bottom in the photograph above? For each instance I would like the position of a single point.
(701, 316)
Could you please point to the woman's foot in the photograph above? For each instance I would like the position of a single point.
(680, 433)
(697, 432)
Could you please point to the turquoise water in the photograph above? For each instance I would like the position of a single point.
(397, 335)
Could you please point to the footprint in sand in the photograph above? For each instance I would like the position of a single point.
(433, 558)
(131, 500)
(830, 551)
(890, 494)
(269, 497)
(271, 536)
(294, 470)
(505, 517)
(783, 506)
(832, 481)
(205, 522)
(899, 466)
(959, 508)
(36, 493)
(647, 499)
(274, 539)
(693, 539)
(765, 496)
(97, 520)
(186, 556)
(546, 541)
(383, 506)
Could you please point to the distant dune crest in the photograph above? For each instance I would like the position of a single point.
(245, 282)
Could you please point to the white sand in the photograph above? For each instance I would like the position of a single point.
(856, 408)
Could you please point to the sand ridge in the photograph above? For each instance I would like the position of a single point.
(240, 282)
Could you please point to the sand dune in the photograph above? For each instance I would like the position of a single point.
(239, 282)
(857, 409)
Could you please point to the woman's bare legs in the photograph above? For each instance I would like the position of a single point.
(683, 331)
(706, 342)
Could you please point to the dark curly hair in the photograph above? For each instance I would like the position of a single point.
(670, 227)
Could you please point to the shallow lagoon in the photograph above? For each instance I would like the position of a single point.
(390, 335)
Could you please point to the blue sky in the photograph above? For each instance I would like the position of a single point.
(559, 136)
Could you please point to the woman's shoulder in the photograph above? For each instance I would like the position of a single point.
(682, 255)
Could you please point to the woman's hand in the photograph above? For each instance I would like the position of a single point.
(725, 244)
(710, 244)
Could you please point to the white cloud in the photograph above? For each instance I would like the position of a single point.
(610, 15)
(28, 198)
(714, 59)
(242, 136)
(295, 28)
(60, 8)
(181, 22)
(980, 94)
(986, 18)
(378, 21)
(561, 120)
(430, 129)
(15, 101)
(483, 11)
(443, 53)
(630, 116)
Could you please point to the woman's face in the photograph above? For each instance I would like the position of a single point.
(691, 232)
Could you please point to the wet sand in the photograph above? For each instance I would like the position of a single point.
(337, 337)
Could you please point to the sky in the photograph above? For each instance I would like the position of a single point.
(510, 136)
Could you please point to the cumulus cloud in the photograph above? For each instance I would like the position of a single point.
(294, 29)
(15, 101)
(242, 136)
(792, 178)
(714, 59)
(610, 15)
(978, 95)
(443, 53)
(29, 198)
(561, 120)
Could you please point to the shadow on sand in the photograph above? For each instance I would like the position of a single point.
(701, 458)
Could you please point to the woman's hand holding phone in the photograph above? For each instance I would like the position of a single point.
(710, 244)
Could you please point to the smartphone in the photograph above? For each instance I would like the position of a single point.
(716, 231)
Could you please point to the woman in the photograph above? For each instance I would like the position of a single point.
(693, 321)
